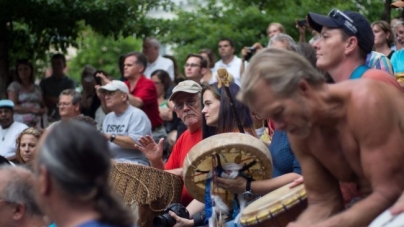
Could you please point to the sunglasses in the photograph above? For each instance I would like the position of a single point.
(344, 20)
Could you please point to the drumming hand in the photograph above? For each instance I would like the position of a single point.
(398, 207)
(296, 182)
(235, 186)
(152, 150)
(181, 222)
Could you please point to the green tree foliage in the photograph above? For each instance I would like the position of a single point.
(101, 52)
(246, 21)
(29, 28)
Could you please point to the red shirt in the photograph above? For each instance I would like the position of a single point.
(180, 150)
(146, 90)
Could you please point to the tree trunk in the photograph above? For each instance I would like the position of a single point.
(4, 60)
(386, 16)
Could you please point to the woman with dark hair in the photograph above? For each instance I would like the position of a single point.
(218, 114)
(211, 59)
(71, 170)
(26, 95)
(164, 85)
(89, 101)
(384, 38)
(26, 143)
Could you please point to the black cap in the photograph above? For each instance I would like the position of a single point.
(353, 23)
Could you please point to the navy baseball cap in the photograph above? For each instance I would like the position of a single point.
(353, 23)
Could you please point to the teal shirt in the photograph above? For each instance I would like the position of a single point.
(398, 61)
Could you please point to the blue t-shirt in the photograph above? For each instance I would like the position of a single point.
(283, 159)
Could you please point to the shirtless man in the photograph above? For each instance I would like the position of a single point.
(350, 132)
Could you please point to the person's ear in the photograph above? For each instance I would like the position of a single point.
(203, 71)
(44, 181)
(351, 44)
(18, 211)
(304, 88)
(77, 107)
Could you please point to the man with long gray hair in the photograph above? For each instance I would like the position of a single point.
(354, 124)
(17, 203)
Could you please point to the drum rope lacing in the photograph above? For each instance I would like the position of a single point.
(147, 190)
(218, 170)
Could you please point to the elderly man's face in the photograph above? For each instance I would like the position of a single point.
(290, 114)
(6, 117)
(114, 99)
(188, 108)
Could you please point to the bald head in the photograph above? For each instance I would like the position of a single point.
(151, 47)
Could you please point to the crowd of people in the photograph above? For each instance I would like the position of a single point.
(328, 110)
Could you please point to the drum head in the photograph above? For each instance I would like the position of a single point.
(228, 148)
(272, 203)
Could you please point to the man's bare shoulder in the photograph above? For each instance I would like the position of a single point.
(372, 99)
(364, 92)
(382, 76)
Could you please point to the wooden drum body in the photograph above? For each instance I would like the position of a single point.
(225, 148)
(148, 191)
(275, 209)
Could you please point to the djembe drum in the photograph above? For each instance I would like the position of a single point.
(275, 209)
(148, 191)
(221, 150)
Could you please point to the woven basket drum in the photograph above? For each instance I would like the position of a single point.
(230, 148)
(148, 191)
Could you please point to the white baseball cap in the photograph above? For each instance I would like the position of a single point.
(116, 85)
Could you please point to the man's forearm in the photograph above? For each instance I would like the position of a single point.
(135, 101)
(321, 210)
(316, 213)
(360, 214)
(122, 141)
(265, 186)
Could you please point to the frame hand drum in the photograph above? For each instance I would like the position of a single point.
(275, 209)
(222, 149)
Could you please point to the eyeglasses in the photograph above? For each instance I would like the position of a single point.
(109, 93)
(191, 65)
(180, 106)
(344, 20)
(63, 104)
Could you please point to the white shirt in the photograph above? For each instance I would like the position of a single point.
(160, 63)
(8, 145)
(233, 68)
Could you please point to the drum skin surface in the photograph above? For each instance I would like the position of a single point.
(276, 208)
(227, 148)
